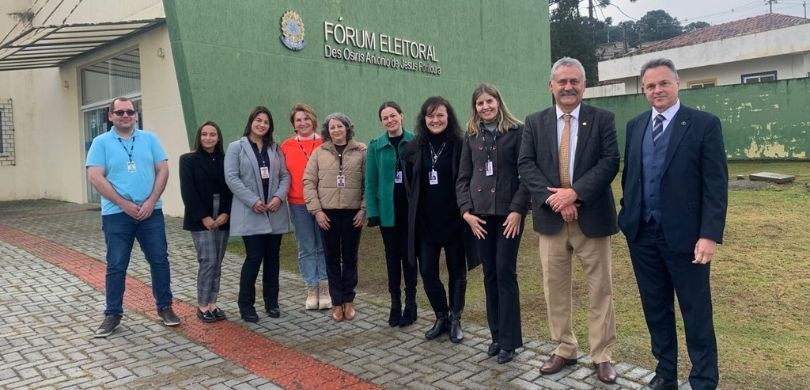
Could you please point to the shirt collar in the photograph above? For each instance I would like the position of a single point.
(669, 113)
(574, 113)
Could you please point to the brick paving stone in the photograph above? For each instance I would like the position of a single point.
(144, 354)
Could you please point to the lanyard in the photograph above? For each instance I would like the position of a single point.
(259, 155)
(131, 147)
(435, 156)
(300, 145)
(487, 146)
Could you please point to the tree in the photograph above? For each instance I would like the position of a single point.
(695, 26)
(571, 37)
(657, 25)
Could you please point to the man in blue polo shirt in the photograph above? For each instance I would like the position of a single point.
(128, 167)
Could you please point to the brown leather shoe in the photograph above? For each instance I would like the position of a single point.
(605, 372)
(348, 311)
(556, 363)
(337, 313)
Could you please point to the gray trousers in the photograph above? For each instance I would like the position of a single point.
(210, 245)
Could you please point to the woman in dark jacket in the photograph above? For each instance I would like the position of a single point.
(208, 205)
(492, 201)
(431, 169)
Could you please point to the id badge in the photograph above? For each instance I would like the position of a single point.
(131, 166)
(265, 172)
(398, 177)
(341, 181)
(490, 170)
(433, 177)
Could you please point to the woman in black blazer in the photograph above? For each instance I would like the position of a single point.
(431, 169)
(208, 206)
(492, 201)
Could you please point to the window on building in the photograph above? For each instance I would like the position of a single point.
(6, 133)
(760, 77)
(704, 83)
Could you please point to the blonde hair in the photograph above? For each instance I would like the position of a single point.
(307, 110)
(505, 118)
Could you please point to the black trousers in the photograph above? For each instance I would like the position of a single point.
(499, 260)
(395, 239)
(260, 249)
(661, 274)
(341, 243)
(456, 270)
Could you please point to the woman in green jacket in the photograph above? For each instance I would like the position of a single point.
(387, 207)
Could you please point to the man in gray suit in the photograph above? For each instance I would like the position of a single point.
(568, 158)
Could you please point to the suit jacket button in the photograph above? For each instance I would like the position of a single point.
(480, 169)
(478, 189)
(492, 190)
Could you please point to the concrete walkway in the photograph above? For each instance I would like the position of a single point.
(51, 300)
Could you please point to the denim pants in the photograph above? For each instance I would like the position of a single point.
(311, 259)
(120, 232)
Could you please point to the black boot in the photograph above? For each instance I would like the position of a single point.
(456, 308)
(409, 314)
(395, 315)
(439, 327)
(456, 335)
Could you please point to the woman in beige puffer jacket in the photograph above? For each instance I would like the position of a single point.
(333, 192)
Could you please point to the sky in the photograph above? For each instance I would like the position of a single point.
(687, 11)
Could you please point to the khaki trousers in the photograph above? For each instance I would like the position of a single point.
(556, 257)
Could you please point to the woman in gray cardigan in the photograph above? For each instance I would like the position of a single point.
(256, 174)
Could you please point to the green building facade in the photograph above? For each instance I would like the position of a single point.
(352, 55)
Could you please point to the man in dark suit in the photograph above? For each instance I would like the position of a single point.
(675, 183)
(568, 158)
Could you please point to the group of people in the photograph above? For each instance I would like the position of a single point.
(560, 163)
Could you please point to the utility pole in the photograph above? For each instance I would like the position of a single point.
(770, 5)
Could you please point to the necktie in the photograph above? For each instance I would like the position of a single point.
(658, 127)
(565, 152)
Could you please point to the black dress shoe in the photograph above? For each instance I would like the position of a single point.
(408, 315)
(493, 349)
(659, 383)
(273, 312)
(440, 326)
(219, 315)
(249, 315)
(205, 316)
(506, 356)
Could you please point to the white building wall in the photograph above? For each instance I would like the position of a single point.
(785, 50)
(49, 128)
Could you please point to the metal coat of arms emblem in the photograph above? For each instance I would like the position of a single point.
(292, 30)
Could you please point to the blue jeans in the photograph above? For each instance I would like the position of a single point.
(311, 259)
(120, 232)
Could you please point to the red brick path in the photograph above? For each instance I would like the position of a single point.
(281, 365)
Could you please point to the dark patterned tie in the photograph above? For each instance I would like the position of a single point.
(658, 127)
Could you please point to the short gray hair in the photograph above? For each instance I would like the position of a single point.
(656, 62)
(567, 62)
(343, 118)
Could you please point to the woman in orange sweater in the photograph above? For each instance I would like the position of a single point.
(311, 260)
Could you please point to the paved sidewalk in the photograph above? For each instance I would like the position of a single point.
(51, 297)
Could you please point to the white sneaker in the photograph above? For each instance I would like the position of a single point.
(324, 299)
(312, 298)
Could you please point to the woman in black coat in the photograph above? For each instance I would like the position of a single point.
(492, 201)
(431, 169)
(208, 207)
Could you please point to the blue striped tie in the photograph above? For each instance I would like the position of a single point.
(658, 127)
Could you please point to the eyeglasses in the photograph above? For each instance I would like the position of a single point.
(122, 112)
